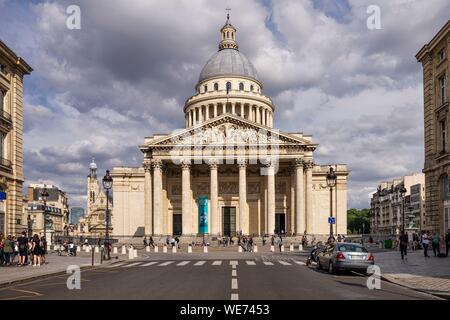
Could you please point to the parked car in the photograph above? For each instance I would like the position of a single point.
(345, 256)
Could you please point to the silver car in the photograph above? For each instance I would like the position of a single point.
(345, 256)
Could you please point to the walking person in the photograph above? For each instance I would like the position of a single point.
(145, 242)
(151, 242)
(263, 240)
(280, 242)
(447, 242)
(404, 245)
(22, 243)
(425, 243)
(43, 245)
(8, 250)
(36, 249)
(435, 243)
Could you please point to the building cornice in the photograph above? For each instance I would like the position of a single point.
(15, 60)
(427, 48)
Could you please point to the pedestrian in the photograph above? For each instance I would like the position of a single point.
(403, 245)
(151, 242)
(2, 258)
(43, 245)
(272, 240)
(435, 243)
(263, 240)
(425, 243)
(22, 243)
(145, 241)
(36, 250)
(177, 242)
(8, 250)
(250, 244)
(280, 242)
(447, 242)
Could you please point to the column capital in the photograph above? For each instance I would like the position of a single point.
(157, 164)
(185, 164)
(308, 164)
(212, 163)
(242, 163)
(147, 165)
(298, 162)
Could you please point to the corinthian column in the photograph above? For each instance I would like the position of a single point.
(243, 214)
(215, 228)
(157, 198)
(270, 199)
(148, 217)
(309, 198)
(299, 198)
(186, 212)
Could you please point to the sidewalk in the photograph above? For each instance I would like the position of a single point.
(55, 264)
(431, 275)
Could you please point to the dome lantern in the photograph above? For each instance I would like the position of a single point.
(228, 33)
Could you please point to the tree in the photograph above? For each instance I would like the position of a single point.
(356, 219)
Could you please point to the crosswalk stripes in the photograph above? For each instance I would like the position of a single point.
(183, 263)
(131, 264)
(148, 264)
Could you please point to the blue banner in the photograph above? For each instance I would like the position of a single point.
(203, 214)
(2, 195)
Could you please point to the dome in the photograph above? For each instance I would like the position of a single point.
(228, 62)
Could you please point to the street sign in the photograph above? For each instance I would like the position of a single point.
(331, 220)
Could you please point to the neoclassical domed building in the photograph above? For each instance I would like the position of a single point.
(228, 170)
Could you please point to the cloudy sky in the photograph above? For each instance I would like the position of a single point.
(125, 75)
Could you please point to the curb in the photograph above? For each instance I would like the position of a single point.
(440, 294)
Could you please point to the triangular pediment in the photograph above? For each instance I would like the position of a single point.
(225, 129)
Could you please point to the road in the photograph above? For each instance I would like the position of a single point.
(189, 277)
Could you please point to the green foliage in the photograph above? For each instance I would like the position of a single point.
(356, 219)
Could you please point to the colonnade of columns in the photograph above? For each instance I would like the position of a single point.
(301, 206)
(259, 114)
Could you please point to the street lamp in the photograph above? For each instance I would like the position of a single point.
(402, 194)
(331, 182)
(44, 197)
(107, 184)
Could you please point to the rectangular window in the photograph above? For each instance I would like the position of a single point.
(443, 129)
(443, 89)
(441, 55)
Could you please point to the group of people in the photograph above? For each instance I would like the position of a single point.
(149, 242)
(424, 241)
(246, 242)
(22, 251)
(224, 241)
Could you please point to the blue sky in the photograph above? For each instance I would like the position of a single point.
(125, 75)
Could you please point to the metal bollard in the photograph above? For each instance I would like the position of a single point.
(189, 249)
(205, 249)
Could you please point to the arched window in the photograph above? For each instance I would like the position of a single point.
(216, 86)
(228, 87)
(251, 88)
(205, 87)
(228, 34)
(241, 86)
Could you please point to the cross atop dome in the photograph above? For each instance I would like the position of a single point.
(228, 33)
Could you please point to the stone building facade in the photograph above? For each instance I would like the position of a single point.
(434, 57)
(387, 204)
(12, 71)
(228, 170)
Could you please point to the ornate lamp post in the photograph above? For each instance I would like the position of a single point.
(107, 185)
(44, 197)
(331, 182)
(402, 194)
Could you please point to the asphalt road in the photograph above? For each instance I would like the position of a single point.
(185, 277)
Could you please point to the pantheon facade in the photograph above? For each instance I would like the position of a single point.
(228, 170)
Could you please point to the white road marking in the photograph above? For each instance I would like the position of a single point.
(149, 264)
(284, 263)
(251, 263)
(233, 264)
(183, 263)
(234, 273)
(234, 284)
(268, 263)
(116, 265)
(131, 265)
(200, 263)
(234, 296)
(217, 263)
(165, 263)
(300, 263)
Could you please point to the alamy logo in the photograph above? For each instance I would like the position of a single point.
(74, 280)
(73, 21)
(374, 20)
(374, 281)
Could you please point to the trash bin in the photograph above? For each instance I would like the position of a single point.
(388, 244)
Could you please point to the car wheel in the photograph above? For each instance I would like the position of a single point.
(331, 268)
